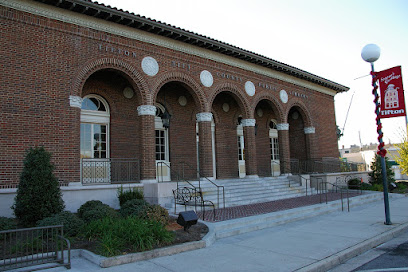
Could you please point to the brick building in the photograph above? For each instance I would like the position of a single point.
(95, 83)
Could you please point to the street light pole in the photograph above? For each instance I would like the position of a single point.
(371, 53)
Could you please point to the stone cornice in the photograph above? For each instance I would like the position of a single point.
(143, 36)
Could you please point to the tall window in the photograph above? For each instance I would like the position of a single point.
(162, 147)
(273, 141)
(95, 120)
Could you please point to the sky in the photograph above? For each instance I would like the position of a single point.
(322, 37)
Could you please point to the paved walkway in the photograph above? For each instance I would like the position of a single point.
(315, 244)
(273, 206)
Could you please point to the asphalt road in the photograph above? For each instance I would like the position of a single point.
(390, 256)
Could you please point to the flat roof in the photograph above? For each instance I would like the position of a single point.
(119, 16)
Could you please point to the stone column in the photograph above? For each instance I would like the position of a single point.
(205, 144)
(310, 147)
(284, 148)
(250, 147)
(147, 114)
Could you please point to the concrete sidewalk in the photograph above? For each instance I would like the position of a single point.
(315, 244)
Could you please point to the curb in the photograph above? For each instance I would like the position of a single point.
(353, 251)
(106, 262)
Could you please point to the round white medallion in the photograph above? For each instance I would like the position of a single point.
(206, 78)
(283, 96)
(225, 107)
(128, 92)
(250, 88)
(182, 100)
(150, 66)
(259, 112)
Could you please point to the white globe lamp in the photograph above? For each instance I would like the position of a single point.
(370, 53)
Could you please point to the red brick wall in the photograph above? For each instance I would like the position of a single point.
(44, 61)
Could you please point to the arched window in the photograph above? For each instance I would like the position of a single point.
(95, 119)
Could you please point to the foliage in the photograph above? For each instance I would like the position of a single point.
(120, 235)
(366, 186)
(376, 174)
(158, 213)
(89, 205)
(7, 223)
(401, 188)
(135, 207)
(38, 194)
(354, 184)
(126, 195)
(72, 223)
(94, 210)
(402, 159)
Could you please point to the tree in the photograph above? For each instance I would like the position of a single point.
(402, 160)
(376, 174)
(38, 194)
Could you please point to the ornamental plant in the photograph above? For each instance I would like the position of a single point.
(38, 194)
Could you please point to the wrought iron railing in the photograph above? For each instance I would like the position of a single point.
(27, 247)
(201, 177)
(322, 166)
(110, 171)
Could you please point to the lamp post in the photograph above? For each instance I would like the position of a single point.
(370, 53)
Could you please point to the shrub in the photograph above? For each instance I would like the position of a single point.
(72, 223)
(135, 207)
(366, 186)
(132, 193)
(7, 223)
(158, 213)
(354, 184)
(89, 205)
(94, 210)
(38, 194)
(117, 236)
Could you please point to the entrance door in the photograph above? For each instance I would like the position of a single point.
(274, 146)
(162, 148)
(241, 152)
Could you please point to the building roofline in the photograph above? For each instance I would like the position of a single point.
(119, 16)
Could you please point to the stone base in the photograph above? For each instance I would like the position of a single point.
(159, 193)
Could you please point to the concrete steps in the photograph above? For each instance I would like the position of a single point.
(249, 191)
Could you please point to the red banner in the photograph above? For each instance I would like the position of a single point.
(392, 93)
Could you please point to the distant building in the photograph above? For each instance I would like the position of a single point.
(365, 155)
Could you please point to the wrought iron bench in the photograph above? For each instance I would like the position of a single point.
(42, 246)
(188, 196)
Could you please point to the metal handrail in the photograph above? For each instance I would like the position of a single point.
(341, 193)
(176, 173)
(212, 182)
(305, 183)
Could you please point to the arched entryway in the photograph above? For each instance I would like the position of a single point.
(176, 142)
(229, 136)
(109, 128)
(297, 139)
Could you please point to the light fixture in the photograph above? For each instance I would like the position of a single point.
(165, 115)
(370, 53)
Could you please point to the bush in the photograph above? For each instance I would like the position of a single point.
(7, 223)
(158, 213)
(72, 223)
(94, 210)
(354, 184)
(132, 193)
(366, 186)
(118, 236)
(135, 207)
(38, 194)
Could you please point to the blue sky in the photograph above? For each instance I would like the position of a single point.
(323, 37)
